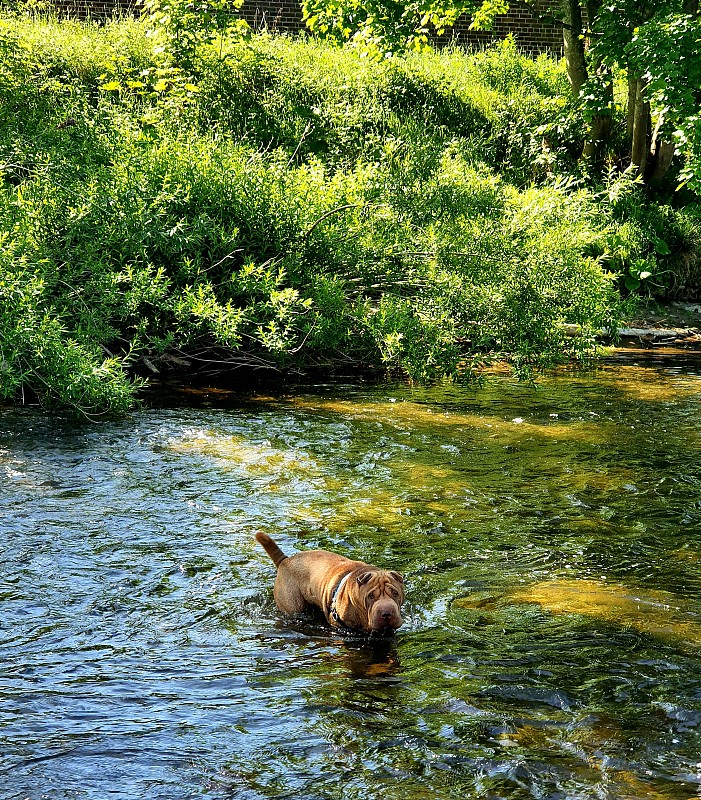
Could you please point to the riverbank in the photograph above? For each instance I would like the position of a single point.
(288, 207)
(671, 325)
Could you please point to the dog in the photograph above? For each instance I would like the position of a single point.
(353, 596)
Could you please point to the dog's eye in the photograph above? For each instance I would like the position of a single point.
(371, 596)
(394, 592)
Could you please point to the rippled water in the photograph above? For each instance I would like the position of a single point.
(550, 538)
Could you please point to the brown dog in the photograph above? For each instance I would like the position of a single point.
(352, 595)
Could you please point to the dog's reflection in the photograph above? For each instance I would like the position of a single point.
(361, 656)
(371, 658)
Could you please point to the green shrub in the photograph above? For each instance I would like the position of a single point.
(284, 204)
(655, 248)
(37, 351)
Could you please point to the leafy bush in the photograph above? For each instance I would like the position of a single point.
(37, 351)
(268, 202)
(655, 248)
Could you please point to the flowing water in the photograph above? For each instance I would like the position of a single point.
(550, 539)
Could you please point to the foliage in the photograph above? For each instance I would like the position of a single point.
(379, 26)
(653, 247)
(182, 27)
(36, 350)
(305, 208)
(666, 51)
(658, 44)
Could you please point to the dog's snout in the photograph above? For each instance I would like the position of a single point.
(385, 618)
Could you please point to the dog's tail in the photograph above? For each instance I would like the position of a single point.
(271, 548)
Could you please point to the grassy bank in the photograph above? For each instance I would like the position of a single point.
(282, 204)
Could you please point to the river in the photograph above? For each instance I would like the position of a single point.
(550, 538)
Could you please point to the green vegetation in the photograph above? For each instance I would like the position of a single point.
(270, 203)
(652, 47)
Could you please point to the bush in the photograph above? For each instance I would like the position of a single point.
(279, 203)
(655, 248)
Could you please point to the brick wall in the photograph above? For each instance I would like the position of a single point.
(94, 9)
(532, 26)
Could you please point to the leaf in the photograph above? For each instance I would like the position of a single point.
(662, 248)
(485, 15)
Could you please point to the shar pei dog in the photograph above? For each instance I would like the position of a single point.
(353, 596)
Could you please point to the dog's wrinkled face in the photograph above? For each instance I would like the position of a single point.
(381, 594)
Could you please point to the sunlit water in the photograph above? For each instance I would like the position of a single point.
(550, 539)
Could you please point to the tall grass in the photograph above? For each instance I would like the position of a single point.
(287, 205)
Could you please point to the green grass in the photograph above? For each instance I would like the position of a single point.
(285, 204)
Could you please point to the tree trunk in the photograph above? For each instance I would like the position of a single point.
(600, 129)
(640, 144)
(661, 155)
(662, 152)
(632, 90)
(573, 35)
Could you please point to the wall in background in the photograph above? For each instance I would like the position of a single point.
(535, 31)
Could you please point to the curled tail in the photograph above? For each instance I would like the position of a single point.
(271, 548)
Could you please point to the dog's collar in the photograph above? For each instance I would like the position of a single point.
(333, 614)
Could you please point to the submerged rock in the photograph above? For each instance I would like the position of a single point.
(652, 612)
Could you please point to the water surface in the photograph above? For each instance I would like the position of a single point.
(550, 539)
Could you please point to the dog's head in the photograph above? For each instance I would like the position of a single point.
(378, 594)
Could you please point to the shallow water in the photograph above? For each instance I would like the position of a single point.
(550, 539)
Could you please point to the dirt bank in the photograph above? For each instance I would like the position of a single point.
(676, 325)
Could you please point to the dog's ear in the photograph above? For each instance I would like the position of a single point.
(397, 577)
(364, 578)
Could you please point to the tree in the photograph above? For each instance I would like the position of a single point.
(656, 46)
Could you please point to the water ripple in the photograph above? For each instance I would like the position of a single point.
(551, 639)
